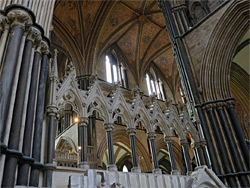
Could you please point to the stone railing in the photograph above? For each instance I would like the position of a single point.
(201, 177)
(65, 158)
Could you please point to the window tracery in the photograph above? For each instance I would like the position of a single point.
(115, 70)
(155, 86)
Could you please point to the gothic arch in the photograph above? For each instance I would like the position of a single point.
(161, 144)
(68, 140)
(220, 50)
(121, 135)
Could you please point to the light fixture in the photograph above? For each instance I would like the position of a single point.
(79, 147)
(76, 120)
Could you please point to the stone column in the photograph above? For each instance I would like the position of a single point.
(23, 169)
(11, 160)
(83, 142)
(109, 128)
(50, 165)
(197, 147)
(187, 79)
(51, 113)
(168, 140)
(151, 138)
(186, 155)
(37, 137)
(4, 30)
(232, 146)
(221, 145)
(240, 136)
(19, 21)
(131, 132)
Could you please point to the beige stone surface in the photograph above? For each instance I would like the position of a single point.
(196, 40)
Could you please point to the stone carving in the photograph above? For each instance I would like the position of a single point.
(4, 22)
(115, 105)
(19, 17)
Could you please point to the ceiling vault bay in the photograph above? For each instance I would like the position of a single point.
(136, 29)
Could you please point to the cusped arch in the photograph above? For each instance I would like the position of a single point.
(176, 125)
(97, 104)
(145, 118)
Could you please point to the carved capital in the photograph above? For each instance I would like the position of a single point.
(131, 131)
(44, 47)
(219, 106)
(203, 143)
(230, 104)
(167, 139)
(208, 107)
(34, 35)
(4, 22)
(83, 121)
(19, 17)
(52, 110)
(109, 126)
(183, 142)
(195, 145)
(151, 135)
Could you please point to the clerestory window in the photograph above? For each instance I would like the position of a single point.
(115, 71)
(155, 87)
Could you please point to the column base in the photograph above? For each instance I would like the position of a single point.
(112, 167)
(84, 165)
(200, 167)
(175, 172)
(157, 171)
(189, 173)
(136, 169)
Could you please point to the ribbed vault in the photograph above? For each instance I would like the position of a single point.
(136, 28)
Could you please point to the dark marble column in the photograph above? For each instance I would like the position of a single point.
(232, 146)
(109, 128)
(197, 147)
(168, 141)
(37, 137)
(12, 159)
(131, 132)
(186, 76)
(50, 166)
(83, 142)
(51, 114)
(186, 155)
(151, 138)
(26, 161)
(4, 30)
(238, 131)
(18, 19)
(221, 145)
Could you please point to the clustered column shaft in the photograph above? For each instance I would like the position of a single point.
(198, 152)
(221, 145)
(37, 138)
(19, 81)
(51, 113)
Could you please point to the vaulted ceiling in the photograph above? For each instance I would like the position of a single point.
(137, 29)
